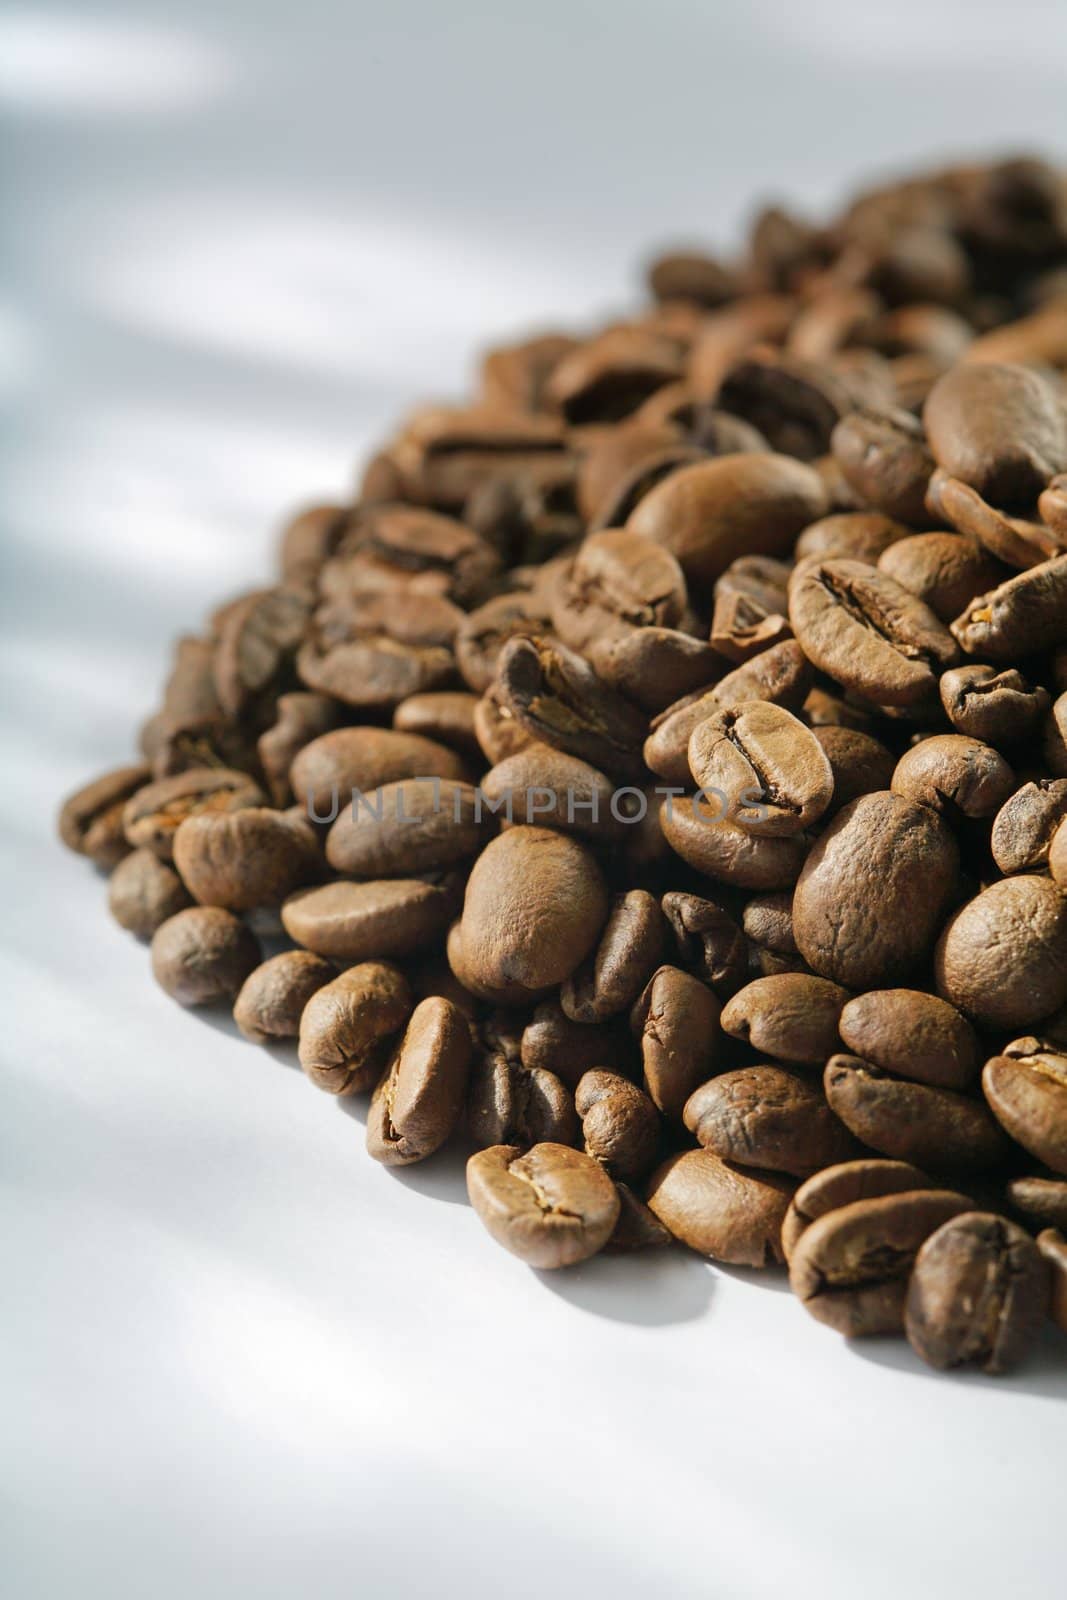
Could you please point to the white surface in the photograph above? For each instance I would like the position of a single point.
(240, 1359)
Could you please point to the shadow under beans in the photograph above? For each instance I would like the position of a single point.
(775, 1278)
(1043, 1372)
(442, 1176)
(648, 1288)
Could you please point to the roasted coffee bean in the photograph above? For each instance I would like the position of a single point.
(1041, 1202)
(550, 1206)
(508, 1103)
(420, 1096)
(912, 1035)
(553, 1041)
(1012, 541)
(842, 1185)
(859, 763)
(688, 275)
(550, 789)
(730, 1213)
(606, 378)
(999, 707)
(868, 632)
(481, 638)
(618, 581)
(143, 891)
(934, 1128)
(445, 453)
(709, 514)
(1026, 1088)
(619, 1124)
(1025, 614)
(500, 735)
(761, 579)
(309, 540)
(768, 922)
(885, 458)
(273, 997)
(943, 570)
(327, 770)
(373, 673)
(793, 1017)
(558, 698)
(770, 767)
(389, 918)
(1024, 826)
(677, 1020)
(348, 1026)
(256, 644)
(874, 891)
(535, 906)
(741, 628)
(1000, 428)
(707, 941)
(446, 716)
(696, 829)
(654, 667)
(956, 776)
(850, 536)
(415, 825)
(299, 719)
(514, 376)
(247, 858)
(1057, 856)
(155, 812)
(850, 1267)
(413, 541)
(979, 1290)
(203, 955)
(794, 403)
(91, 821)
(766, 1117)
(1053, 1247)
(629, 950)
(1002, 959)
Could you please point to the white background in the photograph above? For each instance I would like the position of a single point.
(239, 1358)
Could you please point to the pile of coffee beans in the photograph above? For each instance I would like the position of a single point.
(657, 776)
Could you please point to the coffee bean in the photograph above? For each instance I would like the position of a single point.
(1053, 1248)
(999, 707)
(850, 536)
(391, 917)
(708, 942)
(1012, 541)
(730, 1213)
(654, 667)
(1002, 958)
(696, 830)
(859, 764)
(310, 538)
(912, 1035)
(843, 1185)
(551, 1207)
(1027, 613)
(546, 787)
(638, 1228)
(256, 644)
(247, 858)
(766, 1117)
(956, 776)
(552, 1041)
(273, 997)
(978, 1292)
(420, 1096)
(445, 716)
(793, 1017)
(850, 1267)
(617, 582)
(677, 1019)
(770, 767)
(1024, 827)
(508, 1103)
(348, 1026)
(943, 570)
(1000, 428)
(91, 821)
(932, 1128)
(299, 718)
(619, 1124)
(155, 811)
(143, 892)
(1057, 856)
(1026, 1087)
(1041, 1202)
(885, 458)
(606, 378)
(558, 698)
(741, 628)
(414, 825)
(203, 955)
(768, 922)
(628, 952)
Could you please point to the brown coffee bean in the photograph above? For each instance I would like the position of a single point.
(273, 997)
(558, 698)
(978, 1292)
(1024, 826)
(999, 707)
(793, 1017)
(729, 1213)
(256, 644)
(1000, 428)
(310, 538)
(389, 918)
(1025, 614)
(446, 716)
(445, 453)
(677, 1020)
(955, 776)
(143, 892)
(766, 1117)
(690, 275)
(859, 763)
(709, 514)
(348, 1026)
(420, 1096)
(606, 378)
(508, 1103)
(850, 536)
(1053, 1247)
(654, 667)
(247, 858)
(1041, 1202)
(299, 719)
(696, 830)
(203, 955)
(761, 579)
(842, 1185)
(618, 581)
(884, 456)
(409, 540)
(513, 376)
(768, 922)
(1057, 856)
(868, 633)
(1026, 1087)
(500, 735)
(327, 770)
(850, 1267)
(874, 890)
(546, 787)
(943, 570)
(741, 628)
(551, 1206)
(933, 1128)
(552, 1041)
(619, 1124)
(912, 1035)
(485, 632)
(91, 820)
(628, 952)
(767, 764)
(1012, 541)
(534, 908)
(154, 813)
(414, 825)
(707, 941)
(1002, 958)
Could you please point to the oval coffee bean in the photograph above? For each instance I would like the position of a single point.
(874, 890)
(859, 764)
(943, 570)
(508, 1103)
(347, 1027)
(766, 1117)
(884, 456)
(792, 1016)
(1026, 1088)
(849, 536)
(617, 581)
(729, 1213)
(203, 955)
(842, 1185)
(954, 775)
(628, 952)
(999, 707)
(387, 919)
(414, 825)
(550, 1040)
(708, 941)
(978, 1293)
(1002, 959)
(697, 830)
(545, 787)
(558, 698)
(933, 1128)
(143, 891)
(770, 767)
(91, 821)
(551, 1206)
(1000, 428)
(619, 1124)
(1041, 1202)
(156, 811)
(850, 1268)
(677, 1019)
(328, 769)
(912, 1035)
(419, 1099)
(247, 858)
(272, 998)
(1025, 825)
(1026, 614)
